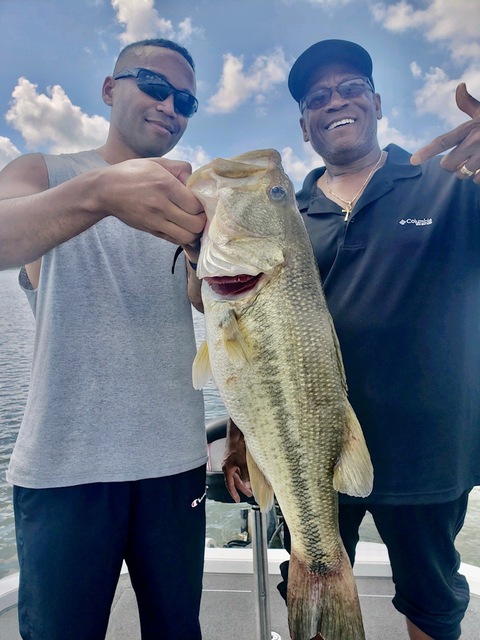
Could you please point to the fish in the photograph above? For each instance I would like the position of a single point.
(272, 351)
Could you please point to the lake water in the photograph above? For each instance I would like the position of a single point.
(223, 521)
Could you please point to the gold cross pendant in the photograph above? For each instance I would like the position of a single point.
(347, 211)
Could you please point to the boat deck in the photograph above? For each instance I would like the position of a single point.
(229, 602)
(228, 610)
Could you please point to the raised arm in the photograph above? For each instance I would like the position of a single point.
(464, 159)
(147, 194)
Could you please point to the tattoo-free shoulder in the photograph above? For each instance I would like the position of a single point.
(23, 176)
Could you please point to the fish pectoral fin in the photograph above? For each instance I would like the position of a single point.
(261, 487)
(353, 473)
(201, 369)
(236, 348)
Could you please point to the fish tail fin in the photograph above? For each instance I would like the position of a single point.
(323, 603)
(201, 369)
(262, 489)
(237, 349)
(353, 473)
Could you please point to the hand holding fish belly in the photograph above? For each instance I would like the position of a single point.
(274, 355)
(234, 463)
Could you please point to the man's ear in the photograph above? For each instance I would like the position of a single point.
(107, 93)
(378, 105)
(304, 129)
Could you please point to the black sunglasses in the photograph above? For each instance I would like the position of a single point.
(155, 85)
(353, 88)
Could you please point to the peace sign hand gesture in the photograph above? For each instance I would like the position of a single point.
(464, 159)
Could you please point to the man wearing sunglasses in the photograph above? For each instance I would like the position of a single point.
(109, 463)
(397, 240)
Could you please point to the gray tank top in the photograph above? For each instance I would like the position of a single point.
(111, 397)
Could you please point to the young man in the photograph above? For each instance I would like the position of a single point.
(398, 246)
(109, 464)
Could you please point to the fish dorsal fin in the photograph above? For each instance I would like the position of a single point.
(236, 348)
(262, 489)
(201, 370)
(353, 473)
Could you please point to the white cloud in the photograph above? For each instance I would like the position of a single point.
(437, 97)
(196, 156)
(398, 17)
(455, 24)
(186, 31)
(236, 86)
(8, 151)
(329, 4)
(437, 94)
(297, 168)
(52, 120)
(388, 134)
(416, 70)
(142, 20)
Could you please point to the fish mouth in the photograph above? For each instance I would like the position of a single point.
(233, 285)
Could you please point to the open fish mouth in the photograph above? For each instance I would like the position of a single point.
(233, 285)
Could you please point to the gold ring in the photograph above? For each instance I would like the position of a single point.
(466, 172)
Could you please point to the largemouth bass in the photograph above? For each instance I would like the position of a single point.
(274, 356)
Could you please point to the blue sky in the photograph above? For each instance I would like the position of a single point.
(56, 53)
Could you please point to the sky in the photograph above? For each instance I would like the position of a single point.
(56, 53)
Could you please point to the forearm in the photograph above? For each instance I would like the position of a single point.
(194, 284)
(194, 289)
(234, 439)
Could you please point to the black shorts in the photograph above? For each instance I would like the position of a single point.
(420, 540)
(71, 544)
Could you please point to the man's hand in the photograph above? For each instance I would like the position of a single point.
(464, 159)
(150, 195)
(234, 464)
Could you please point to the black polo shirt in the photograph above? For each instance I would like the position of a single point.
(402, 282)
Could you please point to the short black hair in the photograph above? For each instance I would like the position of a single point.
(155, 42)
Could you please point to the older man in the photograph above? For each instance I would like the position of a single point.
(397, 240)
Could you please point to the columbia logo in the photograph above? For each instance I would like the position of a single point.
(418, 223)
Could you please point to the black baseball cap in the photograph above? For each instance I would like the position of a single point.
(324, 52)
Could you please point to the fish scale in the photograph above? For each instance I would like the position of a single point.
(274, 356)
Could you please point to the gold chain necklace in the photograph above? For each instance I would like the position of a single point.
(349, 203)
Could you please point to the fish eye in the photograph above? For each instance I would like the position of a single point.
(277, 194)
